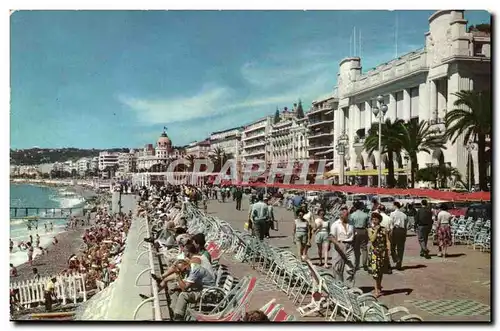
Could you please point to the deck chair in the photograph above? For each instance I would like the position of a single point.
(317, 297)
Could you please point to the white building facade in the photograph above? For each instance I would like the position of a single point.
(288, 140)
(199, 149)
(254, 141)
(107, 159)
(82, 165)
(320, 129)
(420, 85)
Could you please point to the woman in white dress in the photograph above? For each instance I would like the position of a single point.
(321, 235)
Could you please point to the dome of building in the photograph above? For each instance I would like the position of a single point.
(164, 141)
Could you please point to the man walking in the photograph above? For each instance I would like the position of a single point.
(423, 223)
(342, 236)
(359, 219)
(400, 223)
(270, 219)
(259, 217)
(238, 195)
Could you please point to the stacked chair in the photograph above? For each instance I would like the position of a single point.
(300, 281)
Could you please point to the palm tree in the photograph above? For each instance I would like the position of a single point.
(190, 158)
(217, 158)
(436, 173)
(392, 138)
(420, 137)
(474, 124)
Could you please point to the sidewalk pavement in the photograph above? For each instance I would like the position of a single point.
(453, 289)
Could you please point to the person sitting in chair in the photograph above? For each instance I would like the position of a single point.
(189, 289)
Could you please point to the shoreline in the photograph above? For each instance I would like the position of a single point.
(69, 242)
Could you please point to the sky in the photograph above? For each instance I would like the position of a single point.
(105, 79)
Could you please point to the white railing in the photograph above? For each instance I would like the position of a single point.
(67, 288)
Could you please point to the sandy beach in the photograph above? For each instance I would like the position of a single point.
(57, 259)
(69, 243)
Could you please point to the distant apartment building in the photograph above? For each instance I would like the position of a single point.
(45, 168)
(107, 159)
(288, 138)
(94, 163)
(227, 140)
(83, 165)
(199, 149)
(320, 129)
(254, 141)
(127, 162)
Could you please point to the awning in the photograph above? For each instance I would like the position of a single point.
(368, 172)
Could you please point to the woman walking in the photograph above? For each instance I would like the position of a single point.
(379, 248)
(321, 234)
(301, 234)
(444, 229)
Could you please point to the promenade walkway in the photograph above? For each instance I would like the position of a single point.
(455, 289)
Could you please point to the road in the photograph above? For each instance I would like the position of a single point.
(453, 289)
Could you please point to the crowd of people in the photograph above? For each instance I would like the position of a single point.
(99, 258)
(367, 239)
(191, 270)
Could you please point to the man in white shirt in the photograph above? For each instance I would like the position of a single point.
(399, 222)
(343, 259)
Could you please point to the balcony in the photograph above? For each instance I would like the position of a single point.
(320, 122)
(319, 110)
(260, 143)
(255, 126)
(254, 153)
(320, 135)
(254, 136)
(318, 147)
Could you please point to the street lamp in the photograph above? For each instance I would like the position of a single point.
(341, 144)
(380, 113)
(470, 147)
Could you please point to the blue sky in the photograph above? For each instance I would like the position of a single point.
(107, 79)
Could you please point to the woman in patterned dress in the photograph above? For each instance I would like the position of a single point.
(380, 245)
(444, 219)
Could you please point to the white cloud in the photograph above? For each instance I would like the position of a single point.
(203, 104)
(278, 81)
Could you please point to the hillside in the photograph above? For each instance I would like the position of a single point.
(34, 156)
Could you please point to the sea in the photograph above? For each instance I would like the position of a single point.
(52, 198)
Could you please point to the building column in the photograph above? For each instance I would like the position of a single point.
(368, 117)
(391, 108)
(406, 111)
(432, 100)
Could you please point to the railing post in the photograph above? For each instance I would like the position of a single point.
(84, 290)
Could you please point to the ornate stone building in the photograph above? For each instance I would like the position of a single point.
(420, 84)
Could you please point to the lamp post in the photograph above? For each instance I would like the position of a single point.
(470, 147)
(347, 159)
(341, 144)
(380, 113)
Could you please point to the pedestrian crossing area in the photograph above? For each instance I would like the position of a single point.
(451, 307)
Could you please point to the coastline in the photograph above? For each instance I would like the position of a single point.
(69, 242)
(56, 260)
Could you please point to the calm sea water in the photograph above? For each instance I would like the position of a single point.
(25, 195)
